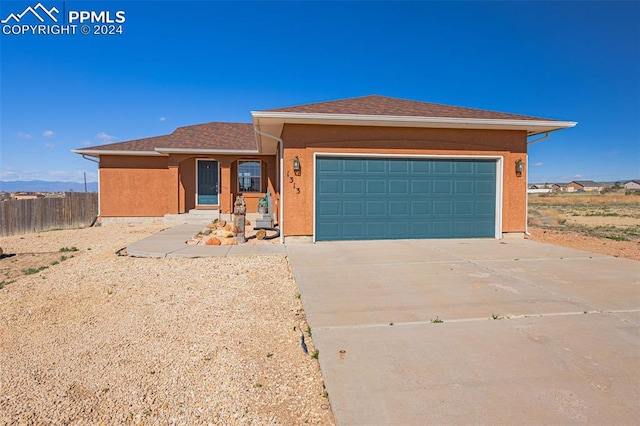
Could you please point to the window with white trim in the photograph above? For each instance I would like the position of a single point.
(249, 176)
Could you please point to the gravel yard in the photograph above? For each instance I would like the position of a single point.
(98, 338)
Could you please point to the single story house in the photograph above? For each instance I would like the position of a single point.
(559, 187)
(633, 185)
(370, 167)
(584, 185)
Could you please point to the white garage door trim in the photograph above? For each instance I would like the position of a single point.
(499, 159)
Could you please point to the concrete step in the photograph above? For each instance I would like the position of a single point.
(194, 217)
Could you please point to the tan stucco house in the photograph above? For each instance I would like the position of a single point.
(584, 185)
(371, 167)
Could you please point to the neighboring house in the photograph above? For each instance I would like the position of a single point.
(559, 187)
(633, 185)
(584, 185)
(27, 195)
(371, 167)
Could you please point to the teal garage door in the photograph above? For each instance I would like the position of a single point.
(389, 198)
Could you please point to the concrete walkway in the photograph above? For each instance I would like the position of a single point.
(171, 243)
(530, 333)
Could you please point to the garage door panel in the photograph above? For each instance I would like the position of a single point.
(399, 208)
(377, 230)
(485, 168)
(484, 208)
(353, 208)
(463, 208)
(329, 165)
(376, 208)
(328, 209)
(442, 208)
(376, 166)
(464, 187)
(378, 198)
(399, 187)
(329, 186)
(464, 167)
(441, 187)
(399, 166)
(376, 186)
(420, 208)
(485, 187)
(353, 186)
(420, 186)
(353, 167)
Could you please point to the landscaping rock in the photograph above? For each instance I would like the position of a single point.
(221, 224)
(193, 242)
(260, 234)
(228, 242)
(224, 233)
(213, 241)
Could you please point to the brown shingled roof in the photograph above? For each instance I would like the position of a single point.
(383, 105)
(209, 136)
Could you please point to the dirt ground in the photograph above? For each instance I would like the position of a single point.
(98, 338)
(602, 223)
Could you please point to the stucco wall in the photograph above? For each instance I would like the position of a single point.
(305, 140)
(154, 186)
(137, 186)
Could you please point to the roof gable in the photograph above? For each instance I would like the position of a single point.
(587, 183)
(387, 106)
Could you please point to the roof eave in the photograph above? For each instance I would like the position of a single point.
(99, 152)
(206, 151)
(533, 127)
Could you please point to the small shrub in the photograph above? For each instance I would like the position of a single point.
(436, 321)
(31, 271)
(68, 249)
(315, 354)
(309, 331)
(4, 283)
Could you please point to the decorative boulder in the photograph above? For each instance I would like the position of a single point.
(247, 222)
(193, 242)
(260, 234)
(213, 241)
(224, 233)
(221, 224)
(228, 227)
(206, 232)
(229, 242)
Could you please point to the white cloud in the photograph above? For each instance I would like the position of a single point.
(105, 137)
(23, 135)
(47, 133)
(87, 143)
(11, 174)
(577, 176)
(163, 118)
(49, 145)
(538, 164)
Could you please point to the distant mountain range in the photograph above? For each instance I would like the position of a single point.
(46, 186)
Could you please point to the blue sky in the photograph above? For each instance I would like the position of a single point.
(179, 63)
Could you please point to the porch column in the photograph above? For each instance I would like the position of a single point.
(226, 193)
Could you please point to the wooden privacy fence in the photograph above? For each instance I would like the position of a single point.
(74, 210)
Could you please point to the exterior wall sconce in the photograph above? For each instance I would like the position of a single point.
(296, 164)
(519, 167)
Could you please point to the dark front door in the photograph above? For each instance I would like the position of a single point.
(207, 183)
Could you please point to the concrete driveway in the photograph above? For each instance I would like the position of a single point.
(531, 333)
